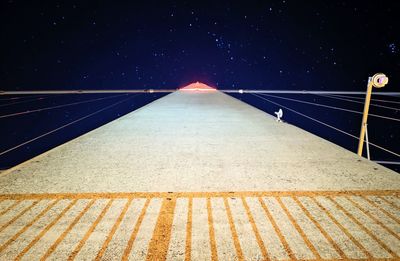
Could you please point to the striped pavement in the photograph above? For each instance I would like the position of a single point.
(308, 225)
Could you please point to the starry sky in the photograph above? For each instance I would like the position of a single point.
(287, 44)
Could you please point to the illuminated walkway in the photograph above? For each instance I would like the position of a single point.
(199, 176)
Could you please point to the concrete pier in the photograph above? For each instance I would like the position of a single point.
(199, 175)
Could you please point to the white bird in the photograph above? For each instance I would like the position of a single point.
(279, 115)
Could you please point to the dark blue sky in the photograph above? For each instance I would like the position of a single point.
(314, 45)
(265, 44)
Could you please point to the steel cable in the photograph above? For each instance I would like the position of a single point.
(331, 107)
(327, 125)
(359, 102)
(65, 125)
(58, 106)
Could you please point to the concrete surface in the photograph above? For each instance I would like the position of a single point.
(196, 142)
(199, 176)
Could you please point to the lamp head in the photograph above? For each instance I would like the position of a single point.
(379, 80)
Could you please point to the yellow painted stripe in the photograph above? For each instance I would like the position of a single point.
(382, 210)
(90, 231)
(373, 218)
(10, 207)
(27, 226)
(235, 237)
(337, 223)
(44, 231)
(200, 194)
(255, 230)
(135, 231)
(158, 246)
(366, 230)
(277, 230)
(213, 244)
(19, 215)
(298, 228)
(392, 200)
(188, 246)
(320, 228)
(113, 230)
(65, 233)
(390, 203)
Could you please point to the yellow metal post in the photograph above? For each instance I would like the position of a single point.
(378, 80)
(365, 117)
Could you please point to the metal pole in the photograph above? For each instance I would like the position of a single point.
(387, 162)
(379, 80)
(365, 116)
(367, 140)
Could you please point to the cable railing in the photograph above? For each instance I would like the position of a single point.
(325, 124)
(66, 125)
(57, 106)
(15, 98)
(362, 98)
(38, 98)
(331, 107)
(358, 102)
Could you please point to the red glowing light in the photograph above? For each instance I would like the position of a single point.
(198, 86)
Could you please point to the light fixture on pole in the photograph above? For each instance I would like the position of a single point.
(379, 80)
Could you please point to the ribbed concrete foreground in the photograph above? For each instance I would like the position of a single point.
(201, 226)
(199, 176)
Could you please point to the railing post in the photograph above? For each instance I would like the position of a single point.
(367, 141)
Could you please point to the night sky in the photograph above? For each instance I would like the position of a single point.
(287, 45)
